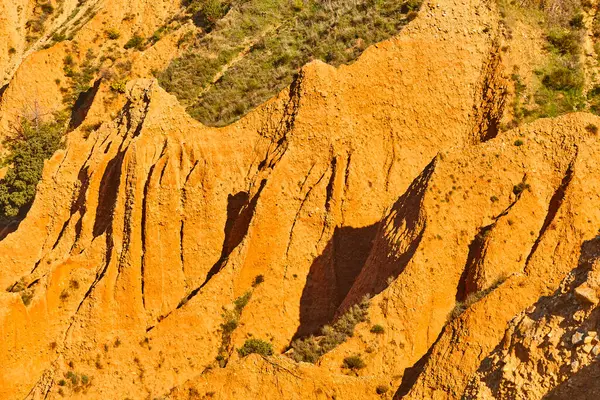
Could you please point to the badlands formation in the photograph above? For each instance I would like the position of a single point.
(374, 230)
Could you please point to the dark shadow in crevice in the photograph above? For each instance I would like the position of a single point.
(332, 275)
(82, 105)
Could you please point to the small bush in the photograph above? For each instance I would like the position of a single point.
(33, 142)
(563, 78)
(12, 51)
(136, 42)
(518, 142)
(62, 382)
(591, 128)
(377, 329)
(242, 301)
(354, 363)
(119, 86)
(382, 389)
(565, 42)
(256, 346)
(112, 34)
(577, 22)
(72, 377)
(518, 189)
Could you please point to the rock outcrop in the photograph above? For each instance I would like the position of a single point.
(388, 178)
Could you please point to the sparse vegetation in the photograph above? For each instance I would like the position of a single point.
(118, 86)
(229, 325)
(259, 46)
(310, 349)
(256, 346)
(354, 363)
(112, 34)
(31, 143)
(473, 298)
(79, 78)
(136, 42)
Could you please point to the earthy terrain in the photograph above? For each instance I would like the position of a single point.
(418, 220)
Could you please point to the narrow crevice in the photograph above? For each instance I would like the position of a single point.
(240, 211)
(553, 207)
(82, 105)
(287, 250)
(145, 212)
(490, 98)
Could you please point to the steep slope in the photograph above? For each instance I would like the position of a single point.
(156, 246)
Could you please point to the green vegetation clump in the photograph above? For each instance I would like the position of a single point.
(256, 346)
(473, 298)
(354, 363)
(112, 34)
(377, 329)
(556, 85)
(230, 323)
(136, 42)
(32, 142)
(79, 77)
(310, 349)
(251, 50)
(258, 280)
(591, 128)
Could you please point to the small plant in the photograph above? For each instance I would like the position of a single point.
(119, 86)
(256, 346)
(12, 51)
(354, 363)
(112, 34)
(64, 295)
(377, 329)
(85, 379)
(242, 301)
(494, 199)
(62, 382)
(518, 189)
(591, 128)
(136, 42)
(72, 377)
(258, 280)
(117, 342)
(382, 389)
(518, 142)
(311, 348)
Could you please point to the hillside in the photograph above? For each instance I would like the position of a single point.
(299, 200)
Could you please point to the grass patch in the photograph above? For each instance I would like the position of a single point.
(230, 323)
(354, 363)
(310, 349)
(279, 37)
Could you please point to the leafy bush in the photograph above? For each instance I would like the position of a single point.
(311, 348)
(563, 78)
(33, 142)
(518, 142)
(565, 42)
(377, 329)
(354, 363)
(256, 346)
(136, 42)
(119, 86)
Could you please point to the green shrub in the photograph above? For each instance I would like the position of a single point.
(33, 142)
(354, 363)
(377, 329)
(565, 42)
(119, 86)
(136, 42)
(256, 346)
(518, 142)
(62, 382)
(112, 34)
(473, 298)
(563, 78)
